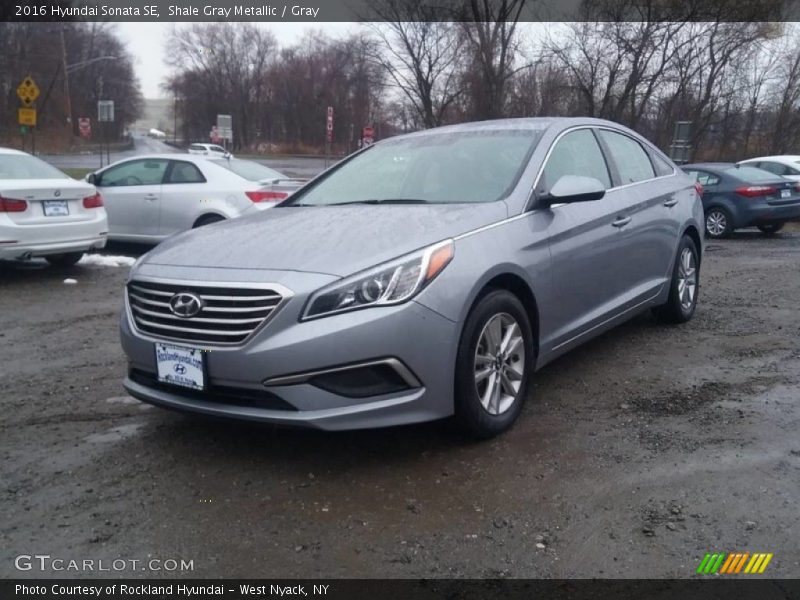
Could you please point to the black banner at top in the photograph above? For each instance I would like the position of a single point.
(310, 11)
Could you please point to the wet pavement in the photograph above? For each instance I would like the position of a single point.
(634, 456)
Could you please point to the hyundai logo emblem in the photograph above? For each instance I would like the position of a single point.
(57, 193)
(186, 304)
(179, 369)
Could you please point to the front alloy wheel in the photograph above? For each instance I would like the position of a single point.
(499, 363)
(494, 363)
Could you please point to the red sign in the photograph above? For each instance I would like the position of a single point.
(367, 135)
(85, 127)
(329, 126)
(214, 136)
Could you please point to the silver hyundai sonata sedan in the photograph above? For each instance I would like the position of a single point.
(427, 276)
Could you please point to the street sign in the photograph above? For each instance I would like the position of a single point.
(367, 135)
(27, 116)
(329, 126)
(105, 111)
(225, 127)
(85, 127)
(28, 91)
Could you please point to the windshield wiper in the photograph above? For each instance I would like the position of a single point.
(384, 201)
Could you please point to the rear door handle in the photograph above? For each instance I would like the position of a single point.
(150, 197)
(621, 221)
(671, 203)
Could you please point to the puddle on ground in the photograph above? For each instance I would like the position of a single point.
(122, 400)
(115, 434)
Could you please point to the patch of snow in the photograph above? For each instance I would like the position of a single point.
(104, 260)
(70, 281)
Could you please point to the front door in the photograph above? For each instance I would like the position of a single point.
(132, 195)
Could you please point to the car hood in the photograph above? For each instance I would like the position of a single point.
(334, 240)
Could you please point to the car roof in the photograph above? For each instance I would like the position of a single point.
(709, 165)
(787, 158)
(531, 123)
(196, 158)
(11, 151)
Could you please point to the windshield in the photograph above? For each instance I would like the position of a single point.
(248, 169)
(752, 174)
(473, 166)
(22, 166)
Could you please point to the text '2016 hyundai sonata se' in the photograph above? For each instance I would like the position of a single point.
(427, 276)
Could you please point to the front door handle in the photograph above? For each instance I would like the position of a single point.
(150, 197)
(671, 203)
(621, 221)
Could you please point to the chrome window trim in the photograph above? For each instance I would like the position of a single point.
(395, 364)
(286, 295)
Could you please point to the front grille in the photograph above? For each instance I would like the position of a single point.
(217, 394)
(229, 314)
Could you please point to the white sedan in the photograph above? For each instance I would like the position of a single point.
(786, 165)
(149, 198)
(208, 150)
(45, 213)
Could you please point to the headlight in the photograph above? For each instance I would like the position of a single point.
(390, 283)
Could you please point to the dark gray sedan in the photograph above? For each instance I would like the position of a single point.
(738, 195)
(427, 276)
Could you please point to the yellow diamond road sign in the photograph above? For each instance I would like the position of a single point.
(28, 91)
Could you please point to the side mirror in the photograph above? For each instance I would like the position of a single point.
(91, 178)
(575, 188)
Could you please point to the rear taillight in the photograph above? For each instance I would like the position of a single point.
(699, 187)
(266, 196)
(95, 201)
(9, 205)
(755, 191)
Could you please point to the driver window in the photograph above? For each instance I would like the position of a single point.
(577, 153)
(135, 172)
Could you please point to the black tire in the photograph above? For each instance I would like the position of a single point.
(207, 220)
(470, 413)
(677, 310)
(69, 259)
(719, 223)
(771, 228)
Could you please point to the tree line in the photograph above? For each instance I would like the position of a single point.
(737, 82)
(74, 65)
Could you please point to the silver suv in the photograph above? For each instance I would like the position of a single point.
(427, 276)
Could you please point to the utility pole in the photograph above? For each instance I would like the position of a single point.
(67, 100)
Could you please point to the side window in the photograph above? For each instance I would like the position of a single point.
(630, 158)
(791, 171)
(217, 148)
(662, 166)
(196, 147)
(703, 178)
(773, 167)
(185, 172)
(577, 153)
(135, 172)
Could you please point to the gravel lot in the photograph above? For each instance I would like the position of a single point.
(635, 455)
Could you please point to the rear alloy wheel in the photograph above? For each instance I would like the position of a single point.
(771, 228)
(495, 357)
(64, 260)
(684, 286)
(718, 222)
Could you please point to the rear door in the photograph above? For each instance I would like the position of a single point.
(647, 225)
(132, 195)
(182, 196)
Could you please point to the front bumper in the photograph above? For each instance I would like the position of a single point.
(274, 360)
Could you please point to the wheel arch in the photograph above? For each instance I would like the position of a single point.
(206, 215)
(694, 234)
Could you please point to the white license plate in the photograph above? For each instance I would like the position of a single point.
(179, 365)
(786, 193)
(56, 208)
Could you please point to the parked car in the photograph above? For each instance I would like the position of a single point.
(425, 276)
(786, 165)
(149, 198)
(736, 196)
(208, 150)
(45, 213)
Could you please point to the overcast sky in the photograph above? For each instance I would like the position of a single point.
(146, 42)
